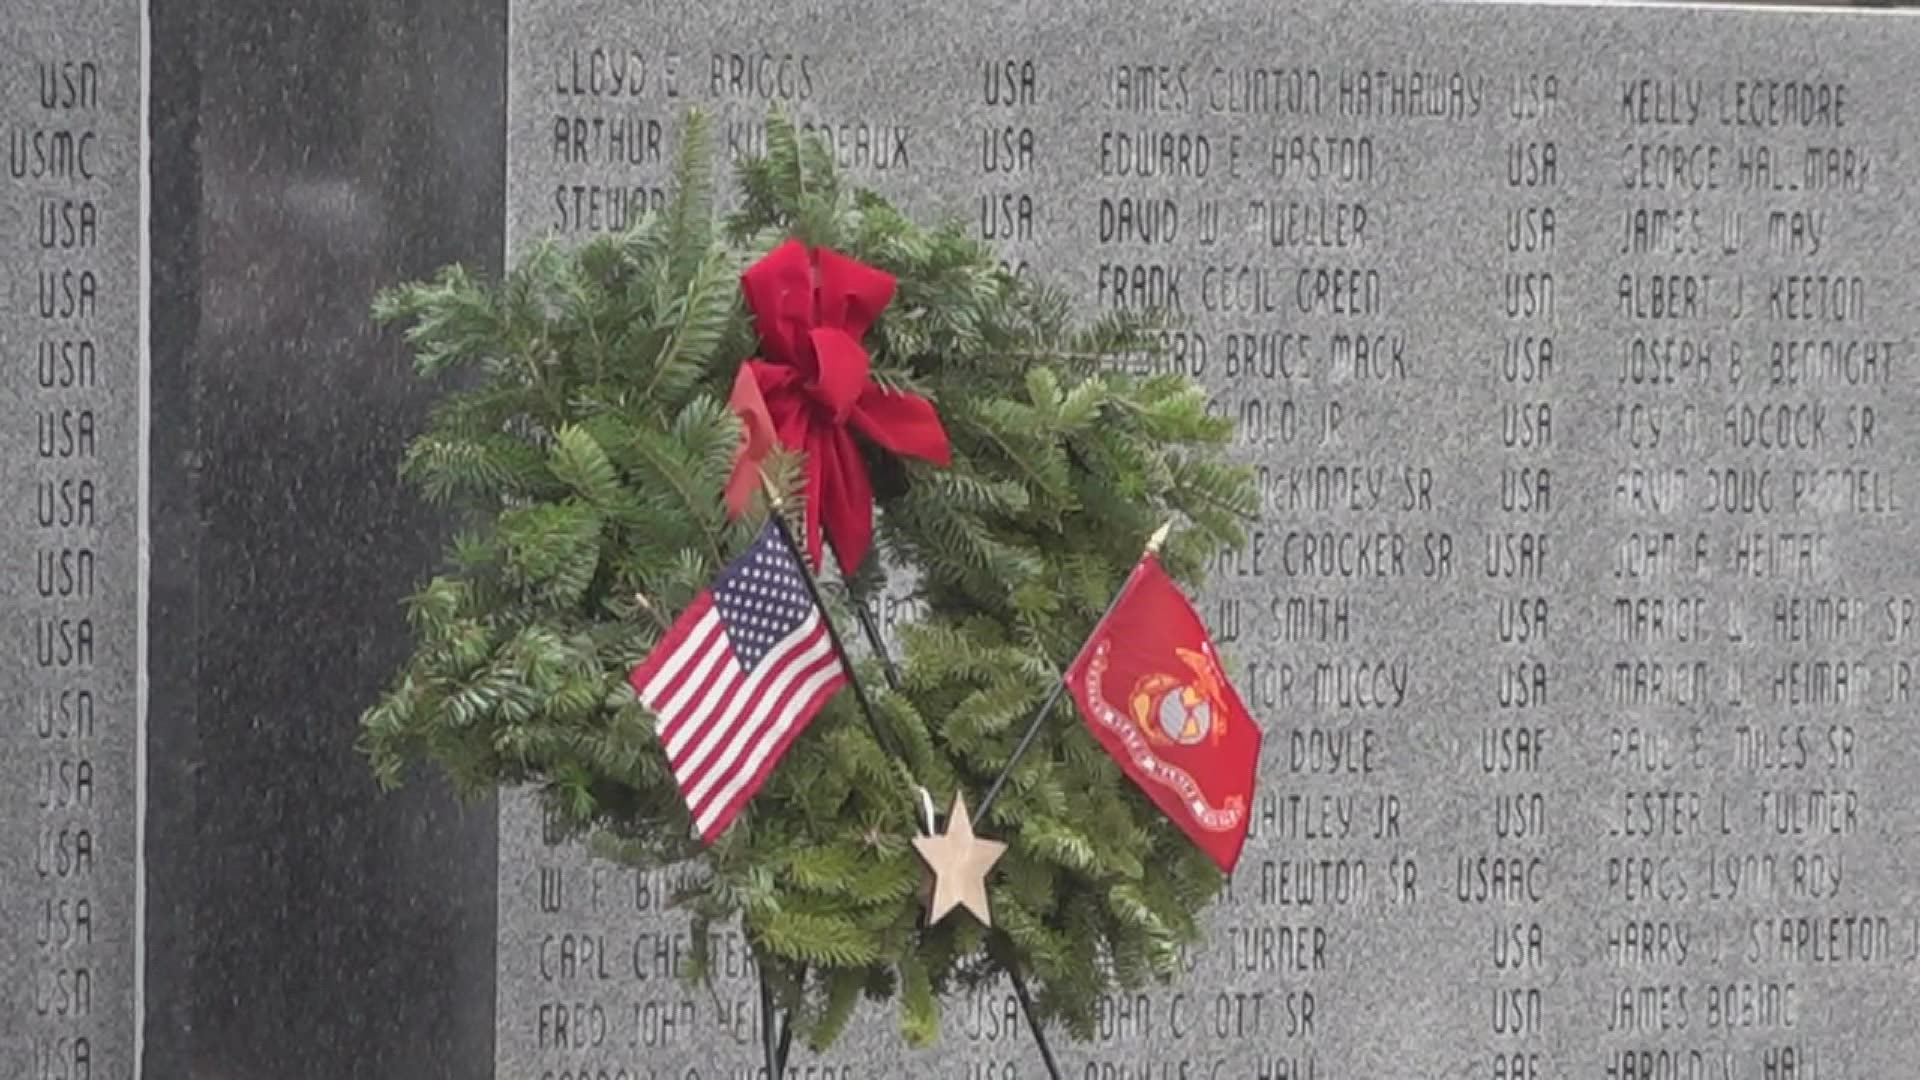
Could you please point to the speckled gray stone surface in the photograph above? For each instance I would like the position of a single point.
(1575, 348)
(301, 923)
(70, 385)
(198, 431)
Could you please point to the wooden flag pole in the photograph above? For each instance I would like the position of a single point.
(1059, 689)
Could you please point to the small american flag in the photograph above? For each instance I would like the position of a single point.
(737, 678)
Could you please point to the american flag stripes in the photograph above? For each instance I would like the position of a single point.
(737, 677)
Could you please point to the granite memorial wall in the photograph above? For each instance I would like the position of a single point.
(1573, 347)
(71, 334)
(1574, 350)
(203, 537)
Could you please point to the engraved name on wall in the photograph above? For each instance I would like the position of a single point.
(1573, 349)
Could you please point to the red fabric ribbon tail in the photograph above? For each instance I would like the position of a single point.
(756, 439)
(906, 424)
(839, 499)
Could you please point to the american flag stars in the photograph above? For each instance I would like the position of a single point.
(761, 599)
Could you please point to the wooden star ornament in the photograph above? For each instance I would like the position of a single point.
(960, 862)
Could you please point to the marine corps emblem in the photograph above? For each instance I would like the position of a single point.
(1173, 709)
(1155, 693)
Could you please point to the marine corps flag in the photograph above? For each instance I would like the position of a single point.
(1151, 687)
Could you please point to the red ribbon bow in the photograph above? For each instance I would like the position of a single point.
(811, 310)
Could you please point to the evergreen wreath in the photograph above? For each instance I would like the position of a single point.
(585, 446)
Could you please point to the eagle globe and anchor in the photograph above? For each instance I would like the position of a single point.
(1172, 709)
